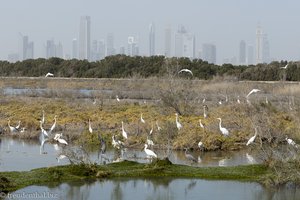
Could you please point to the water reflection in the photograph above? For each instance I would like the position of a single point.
(164, 188)
(29, 152)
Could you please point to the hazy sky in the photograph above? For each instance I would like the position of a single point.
(222, 22)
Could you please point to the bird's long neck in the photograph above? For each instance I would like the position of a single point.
(220, 123)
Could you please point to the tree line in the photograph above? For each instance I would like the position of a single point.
(122, 66)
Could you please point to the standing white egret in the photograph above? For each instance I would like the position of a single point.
(238, 100)
(60, 157)
(117, 143)
(200, 123)
(42, 141)
(223, 130)
(49, 74)
(205, 115)
(189, 156)
(179, 126)
(117, 97)
(43, 130)
(90, 127)
(124, 134)
(200, 145)
(186, 70)
(150, 142)
(250, 159)
(142, 120)
(252, 91)
(149, 152)
(61, 140)
(53, 126)
(158, 127)
(251, 140)
(19, 124)
(267, 102)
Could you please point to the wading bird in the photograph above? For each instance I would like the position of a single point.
(223, 130)
(150, 142)
(189, 156)
(179, 126)
(200, 123)
(117, 97)
(49, 74)
(61, 140)
(149, 152)
(251, 140)
(205, 115)
(117, 143)
(12, 128)
(48, 133)
(42, 141)
(90, 127)
(290, 141)
(186, 70)
(124, 134)
(142, 120)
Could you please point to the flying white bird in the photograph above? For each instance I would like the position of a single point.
(251, 140)
(186, 70)
(179, 126)
(124, 134)
(285, 66)
(223, 130)
(49, 74)
(149, 152)
(252, 91)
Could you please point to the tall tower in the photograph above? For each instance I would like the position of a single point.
(75, 48)
(179, 41)
(242, 52)
(259, 45)
(209, 53)
(110, 49)
(85, 37)
(168, 40)
(151, 39)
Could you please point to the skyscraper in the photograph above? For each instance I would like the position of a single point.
(110, 49)
(59, 50)
(75, 48)
(250, 55)
(26, 48)
(50, 48)
(209, 53)
(168, 41)
(85, 37)
(179, 41)
(133, 49)
(242, 52)
(151, 39)
(184, 43)
(259, 45)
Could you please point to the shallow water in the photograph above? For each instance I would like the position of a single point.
(159, 188)
(28, 152)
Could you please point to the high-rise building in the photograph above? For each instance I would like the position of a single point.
(59, 50)
(168, 41)
(133, 49)
(266, 49)
(26, 48)
(75, 48)
(250, 55)
(95, 55)
(209, 53)
(122, 50)
(50, 49)
(110, 49)
(85, 37)
(259, 45)
(242, 52)
(184, 43)
(151, 39)
(101, 49)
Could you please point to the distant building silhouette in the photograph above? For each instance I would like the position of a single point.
(75, 48)
(110, 49)
(184, 43)
(53, 50)
(85, 38)
(242, 52)
(209, 53)
(151, 39)
(26, 49)
(262, 46)
(168, 41)
(133, 49)
(250, 55)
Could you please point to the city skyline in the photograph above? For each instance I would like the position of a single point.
(224, 30)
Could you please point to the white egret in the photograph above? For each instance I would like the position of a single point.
(179, 126)
(290, 141)
(117, 143)
(43, 130)
(150, 142)
(124, 133)
(250, 159)
(90, 127)
(267, 102)
(60, 157)
(19, 124)
(223, 130)
(158, 127)
(253, 91)
(251, 140)
(285, 66)
(203, 101)
(200, 123)
(61, 140)
(117, 97)
(42, 141)
(238, 100)
(205, 115)
(149, 152)
(189, 156)
(200, 145)
(151, 131)
(186, 70)
(47, 133)
(49, 74)
(43, 117)
(12, 128)
(142, 120)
